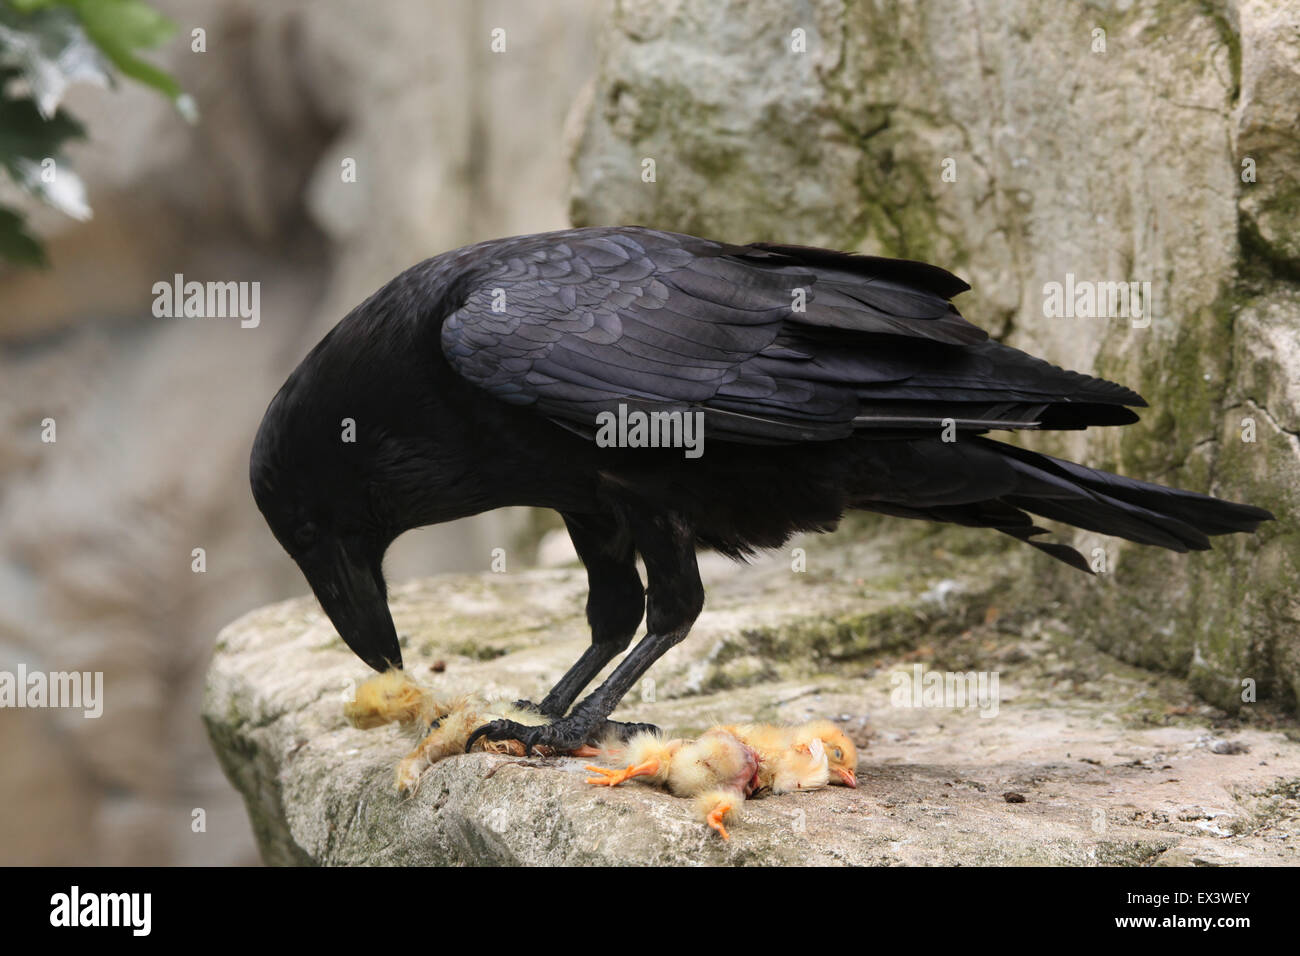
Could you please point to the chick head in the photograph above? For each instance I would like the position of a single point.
(841, 754)
(390, 697)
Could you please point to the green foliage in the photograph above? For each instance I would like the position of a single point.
(45, 47)
(16, 243)
(119, 28)
(24, 132)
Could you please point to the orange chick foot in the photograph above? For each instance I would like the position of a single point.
(715, 816)
(610, 777)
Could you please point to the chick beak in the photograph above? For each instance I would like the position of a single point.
(847, 777)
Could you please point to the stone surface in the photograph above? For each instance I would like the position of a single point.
(1108, 142)
(1116, 765)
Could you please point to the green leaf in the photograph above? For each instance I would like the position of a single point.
(25, 133)
(119, 28)
(16, 243)
(130, 24)
(48, 45)
(51, 51)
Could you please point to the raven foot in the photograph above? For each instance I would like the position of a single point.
(565, 735)
(562, 736)
(626, 732)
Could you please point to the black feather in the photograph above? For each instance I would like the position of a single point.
(825, 381)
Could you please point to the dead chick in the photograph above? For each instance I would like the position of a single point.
(777, 747)
(390, 698)
(445, 726)
(728, 764)
(717, 769)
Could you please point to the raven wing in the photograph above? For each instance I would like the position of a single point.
(773, 343)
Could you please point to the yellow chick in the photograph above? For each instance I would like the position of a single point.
(788, 773)
(389, 698)
(728, 764)
(717, 769)
(454, 724)
(393, 697)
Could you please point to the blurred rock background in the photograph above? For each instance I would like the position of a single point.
(1114, 156)
(1115, 141)
(453, 144)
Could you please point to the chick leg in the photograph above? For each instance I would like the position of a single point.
(613, 776)
(442, 740)
(715, 806)
(715, 818)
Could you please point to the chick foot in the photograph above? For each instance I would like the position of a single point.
(613, 776)
(716, 815)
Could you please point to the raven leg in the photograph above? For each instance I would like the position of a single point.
(673, 602)
(615, 603)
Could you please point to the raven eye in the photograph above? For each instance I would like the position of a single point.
(305, 536)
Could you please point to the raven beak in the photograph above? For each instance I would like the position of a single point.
(847, 777)
(352, 594)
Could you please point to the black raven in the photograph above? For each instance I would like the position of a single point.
(824, 381)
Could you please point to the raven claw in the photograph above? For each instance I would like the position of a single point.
(562, 736)
(569, 733)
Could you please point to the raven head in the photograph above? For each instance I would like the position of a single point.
(373, 435)
(315, 488)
